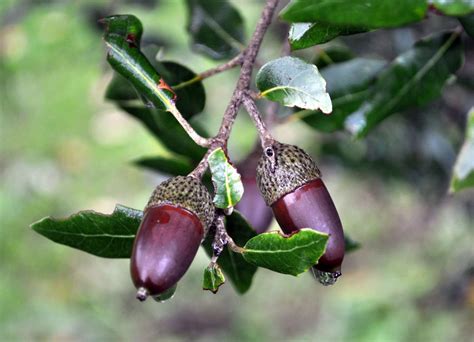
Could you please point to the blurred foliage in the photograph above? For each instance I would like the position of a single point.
(64, 149)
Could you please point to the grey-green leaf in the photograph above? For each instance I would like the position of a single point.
(293, 254)
(294, 83)
(413, 79)
(366, 14)
(107, 236)
(227, 183)
(236, 269)
(305, 35)
(213, 278)
(463, 172)
(216, 28)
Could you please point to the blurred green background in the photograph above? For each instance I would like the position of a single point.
(64, 149)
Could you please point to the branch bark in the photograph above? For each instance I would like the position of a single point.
(265, 136)
(242, 88)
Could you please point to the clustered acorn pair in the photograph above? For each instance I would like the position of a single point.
(180, 212)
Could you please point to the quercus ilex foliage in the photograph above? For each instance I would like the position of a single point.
(196, 205)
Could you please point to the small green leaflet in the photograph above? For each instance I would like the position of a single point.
(123, 54)
(292, 82)
(213, 278)
(288, 254)
(463, 172)
(107, 236)
(236, 269)
(227, 184)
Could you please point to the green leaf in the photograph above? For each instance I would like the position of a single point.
(123, 54)
(463, 172)
(294, 83)
(413, 79)
(305, 35)
(227, 183)
(351, 245)
(172, 166)
(216, 28)
(288, 254)
(364, 14)
(190, 99)
(168, 130)
(348, 84)
(454, 7)
(107, 236)
(213, 278)
(237, 270)
(467, 23)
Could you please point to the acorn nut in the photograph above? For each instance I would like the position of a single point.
(291, 185)
(175, 221)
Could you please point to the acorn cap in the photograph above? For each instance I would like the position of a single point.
(282, 168)
(188, 193)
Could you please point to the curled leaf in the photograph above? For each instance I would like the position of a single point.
(227, 183)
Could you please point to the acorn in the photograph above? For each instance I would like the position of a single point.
(291, 185)
(252, 206)
(175, 221)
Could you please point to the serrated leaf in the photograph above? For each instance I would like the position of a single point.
(413, 79)
(172, 166)
(216, 28)
(227, 183)
(288, 254)
(467, 23)
(348, 85)
(305, 35)
(454, 7)
(213, 278)
(107, 236)
(463, 172)
(122, 38)
(292, 82)
(236, 269)
(365, 14)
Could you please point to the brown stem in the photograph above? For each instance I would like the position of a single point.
(242, 87)
(246, 72)
(237, 60)
(265, 136)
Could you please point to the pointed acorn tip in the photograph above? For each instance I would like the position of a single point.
(142, 294)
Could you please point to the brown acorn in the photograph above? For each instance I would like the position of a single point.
(291, 185)
(175, 221)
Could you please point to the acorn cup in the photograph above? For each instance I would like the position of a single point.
(175, 221)
(291, 185)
